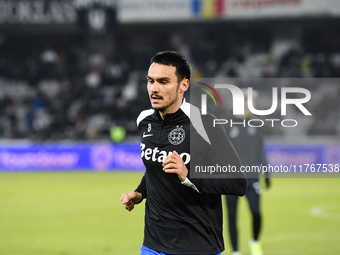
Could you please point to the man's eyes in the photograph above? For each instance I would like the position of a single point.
(161, 82)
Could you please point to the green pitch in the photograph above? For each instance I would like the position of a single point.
(81, 214)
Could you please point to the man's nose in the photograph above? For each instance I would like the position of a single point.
(154, 87)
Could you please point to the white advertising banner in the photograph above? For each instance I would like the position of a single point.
(249, 9)
(153, 10)
(196, 10)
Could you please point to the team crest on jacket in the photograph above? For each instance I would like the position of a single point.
(176, 136)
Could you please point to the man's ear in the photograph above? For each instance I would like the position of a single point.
(184, 86)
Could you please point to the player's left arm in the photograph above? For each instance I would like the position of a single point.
(228, 186)
(219, 151)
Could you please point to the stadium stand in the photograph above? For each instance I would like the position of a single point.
(67, 87)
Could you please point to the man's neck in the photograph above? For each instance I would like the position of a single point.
(175, 109)
(163, 114)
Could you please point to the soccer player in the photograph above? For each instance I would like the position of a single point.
(248, 142)
(183, 215)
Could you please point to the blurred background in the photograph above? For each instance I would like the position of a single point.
(71, 70)
(74, 71)
(72, 83)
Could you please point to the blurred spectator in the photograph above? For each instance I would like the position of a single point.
(59, 88)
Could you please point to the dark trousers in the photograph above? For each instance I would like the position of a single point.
(253, 197)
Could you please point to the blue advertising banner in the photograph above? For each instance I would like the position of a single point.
(118, 157)
(300, 157)
(75, 157)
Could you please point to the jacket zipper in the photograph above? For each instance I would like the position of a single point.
(160, 132)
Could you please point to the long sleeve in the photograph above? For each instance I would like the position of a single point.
(142, 187)
(218, 151)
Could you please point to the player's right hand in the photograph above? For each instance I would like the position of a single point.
(130, 199)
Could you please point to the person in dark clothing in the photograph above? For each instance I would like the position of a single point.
(183, 215)
(248, 143)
